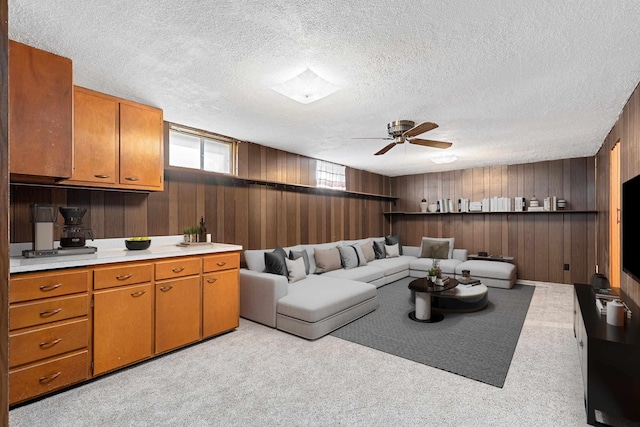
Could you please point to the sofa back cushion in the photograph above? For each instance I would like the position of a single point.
(327, 260)
(429, 244)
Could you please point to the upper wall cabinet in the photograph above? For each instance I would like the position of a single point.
(40, 115)
(117, 143)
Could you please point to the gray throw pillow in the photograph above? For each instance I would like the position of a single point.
(434, 249)
(293, 255)
(275, 263)
(378, 248)
(327, 260)
(361, 258)
(393, 240)
(348, 257)
(451, 241)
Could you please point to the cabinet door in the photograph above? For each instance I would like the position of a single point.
(141, 162)
(220, 302)
(40, 114)
(177, 313)
(122, 326)
(95, 137)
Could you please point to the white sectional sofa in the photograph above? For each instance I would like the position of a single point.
(320, 303)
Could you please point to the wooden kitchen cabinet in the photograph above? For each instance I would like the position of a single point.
(117, 143)
(40, 115)
(220, 294)
(49, 332)
(178, 305)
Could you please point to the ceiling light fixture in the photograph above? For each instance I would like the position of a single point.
(306, 87)
(450, 158)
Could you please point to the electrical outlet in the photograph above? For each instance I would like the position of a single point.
(566, 267)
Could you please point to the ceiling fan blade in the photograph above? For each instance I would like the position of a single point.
(385, 139)
(430, 143)
(385, 149)
(421, 128)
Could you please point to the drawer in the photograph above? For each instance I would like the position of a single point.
(44, 377)
(46, 311)
(177, 267)
(45, 342)
(221, 262)
(120, 275)
(30, 286)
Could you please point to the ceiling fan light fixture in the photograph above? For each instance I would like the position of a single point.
(450, 158)
(306, 87)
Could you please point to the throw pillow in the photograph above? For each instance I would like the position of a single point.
(275, 261)
(378, 248)
(451, 241)
(361, 259)
(295, 268)
(327, 260)
(392, 240)
(302, 254)
(434, 249)
(348, 257)
(392, 251)
(368, 252)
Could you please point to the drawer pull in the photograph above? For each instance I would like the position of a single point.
(101, 176)
(137, 294)
(124, 277)
(131, 178)
(50, 343)
(177, 269)
(221, 263)
(50, 312)
(45, 288)
(166, 288)
(44, 380)
(211, 279)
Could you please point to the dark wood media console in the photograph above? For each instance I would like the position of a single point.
(610, 358)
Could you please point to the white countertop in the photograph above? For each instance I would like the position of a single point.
(111, 251)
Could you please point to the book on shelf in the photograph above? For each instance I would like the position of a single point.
(535, 208)
(468, 281)
(601, 306)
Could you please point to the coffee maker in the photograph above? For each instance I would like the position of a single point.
(74, 235)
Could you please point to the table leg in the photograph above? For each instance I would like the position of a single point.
(423, 311)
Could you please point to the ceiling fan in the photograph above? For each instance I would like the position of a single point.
(406, 130)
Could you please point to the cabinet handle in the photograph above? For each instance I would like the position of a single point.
(177, 269)
(211, 279)
(45, 288)
(50, 343)
(50, 312)
(137, 294)
(124, 276)
(166, 288)
(44, 380)
(221, 263)
(581, 344)
(132, 178)
(101, 176)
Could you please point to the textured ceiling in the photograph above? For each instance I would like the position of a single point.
(507, 81)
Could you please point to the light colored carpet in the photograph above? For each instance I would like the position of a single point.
(258, 376)
(477, 345)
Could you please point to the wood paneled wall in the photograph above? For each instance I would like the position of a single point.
(627, 131)
(541, 243)
(4, 216)
(252, 215)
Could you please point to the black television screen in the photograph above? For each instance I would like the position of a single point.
(631, 227)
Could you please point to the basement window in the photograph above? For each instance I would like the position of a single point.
(201, 150)
(330, 175)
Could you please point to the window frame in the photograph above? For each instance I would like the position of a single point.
(202, 135)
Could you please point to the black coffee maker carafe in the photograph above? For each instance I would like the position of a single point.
(74, 234)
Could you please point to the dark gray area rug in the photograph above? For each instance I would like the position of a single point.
(478, 345)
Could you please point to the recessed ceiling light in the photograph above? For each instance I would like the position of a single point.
(306, 87)
(444, 159)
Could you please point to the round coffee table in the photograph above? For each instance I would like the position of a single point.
(423, 289)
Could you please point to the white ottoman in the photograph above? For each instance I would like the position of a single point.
(496, 274)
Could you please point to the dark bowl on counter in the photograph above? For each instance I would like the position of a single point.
(137, 245)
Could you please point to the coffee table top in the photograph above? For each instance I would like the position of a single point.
(424, 285)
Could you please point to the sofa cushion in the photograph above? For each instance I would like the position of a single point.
(295, 269)
(488, 269)
(317, 298)
(367, 274)
(378, 248)
(367, 251)
(255, 259)
(327, 260)
(392, 265)
(348, 257)
(275, 261)
(451, 241)
(448, 266)
(392, 251)
(434, 249)
(301, 254)
(393, 240)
